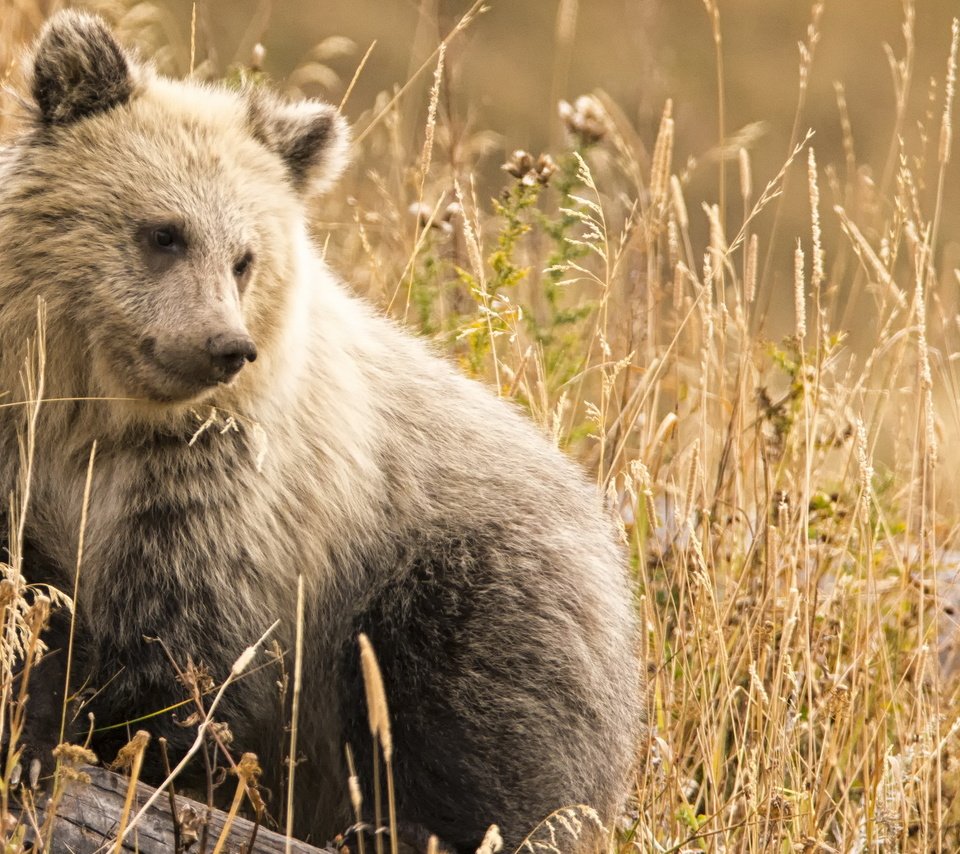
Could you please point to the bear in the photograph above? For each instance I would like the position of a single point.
(255, 423)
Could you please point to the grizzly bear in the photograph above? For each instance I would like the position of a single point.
(255, 422)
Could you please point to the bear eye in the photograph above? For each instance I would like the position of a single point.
(167, 238)
(242, 265)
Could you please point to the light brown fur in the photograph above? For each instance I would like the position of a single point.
(417, 506)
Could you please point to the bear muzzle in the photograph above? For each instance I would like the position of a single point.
(188, 369)
(229, 353)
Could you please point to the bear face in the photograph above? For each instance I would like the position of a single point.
(171, 211)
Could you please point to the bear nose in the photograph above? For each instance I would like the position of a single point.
(228, 353)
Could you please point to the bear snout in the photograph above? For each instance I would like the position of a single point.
(187, 368)
(229, 353)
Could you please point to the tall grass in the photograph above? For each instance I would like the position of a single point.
(771, 417)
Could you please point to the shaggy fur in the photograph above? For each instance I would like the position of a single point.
(418, 507)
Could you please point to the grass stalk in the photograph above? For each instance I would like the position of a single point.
(295, 713)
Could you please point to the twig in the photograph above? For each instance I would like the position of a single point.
(76, 590)
(137, 747)
(177, 842)
(238, 667)
(462, 24)
(356, 76)
(295, 710)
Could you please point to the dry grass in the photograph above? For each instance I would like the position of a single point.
(785, 496)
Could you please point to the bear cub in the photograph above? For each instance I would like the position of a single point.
(254, 422)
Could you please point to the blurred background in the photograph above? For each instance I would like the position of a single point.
(517, 58)
(506, 72)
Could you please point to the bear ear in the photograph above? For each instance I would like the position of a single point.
(309, 136)
(78, 69)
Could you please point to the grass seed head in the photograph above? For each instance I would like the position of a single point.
(378, 714)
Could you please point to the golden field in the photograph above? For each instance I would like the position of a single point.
(730, 290)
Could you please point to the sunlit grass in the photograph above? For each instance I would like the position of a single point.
(781, 495)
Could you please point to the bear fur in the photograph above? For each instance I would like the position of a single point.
(162, 226)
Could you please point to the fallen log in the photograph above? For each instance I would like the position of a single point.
(89, 815)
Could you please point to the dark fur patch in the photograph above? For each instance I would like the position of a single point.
(79, 70)
(302, 134)
(455, 775)
(305, 146)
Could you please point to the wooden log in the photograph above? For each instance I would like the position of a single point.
(89, 815)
